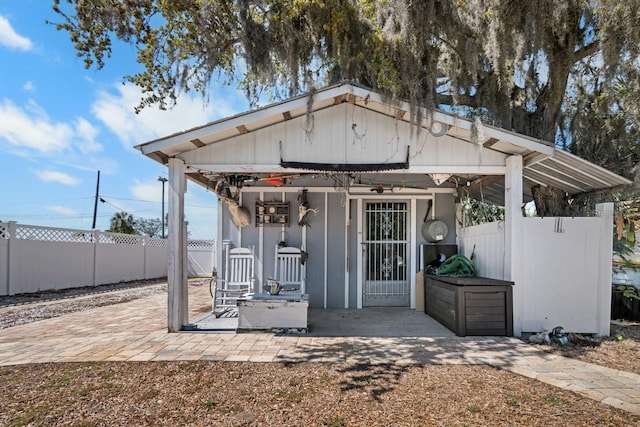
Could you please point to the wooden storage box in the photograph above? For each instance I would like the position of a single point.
(470, 305)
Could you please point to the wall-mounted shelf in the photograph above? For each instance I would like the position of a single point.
(272, 213)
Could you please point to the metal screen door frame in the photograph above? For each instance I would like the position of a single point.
(385, 253)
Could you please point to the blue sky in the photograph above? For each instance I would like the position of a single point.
(61, 123)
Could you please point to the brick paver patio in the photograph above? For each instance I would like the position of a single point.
(136, 331)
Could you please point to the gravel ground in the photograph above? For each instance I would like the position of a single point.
(300, 394)
(21, 309)
(56, 295)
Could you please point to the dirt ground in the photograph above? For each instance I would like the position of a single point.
(299, 394)
(621, 350)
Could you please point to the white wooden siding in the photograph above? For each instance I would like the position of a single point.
(334, 139)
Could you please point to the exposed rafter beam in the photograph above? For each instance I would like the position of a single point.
(490, 142)
(202, 180)
(161, 156)
(561, 183)
(242, 129)
(533, 158)
(198, 143)
(484, 181)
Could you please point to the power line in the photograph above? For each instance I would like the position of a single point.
(133, 200)
(50, 201)
(49, 217)
(156, 202)
(102, 199)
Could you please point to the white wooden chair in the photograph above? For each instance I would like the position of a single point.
(290, 271)
(239, 279)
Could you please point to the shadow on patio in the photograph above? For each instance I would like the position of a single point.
(374, 322)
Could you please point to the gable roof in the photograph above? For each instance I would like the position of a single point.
(542, 162)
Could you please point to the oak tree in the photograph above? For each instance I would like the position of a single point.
(565, 72)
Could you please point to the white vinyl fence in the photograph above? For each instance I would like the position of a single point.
(486, 243)
(562, 271)
(35, 258)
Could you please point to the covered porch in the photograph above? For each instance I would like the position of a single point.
(341, 322)
(368, 182)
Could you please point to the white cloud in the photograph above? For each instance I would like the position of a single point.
(148, 190)
(116, 111)
(29, 86)
(62, 210)
(87, 134)
(55, 176)
(89, 163)
(31, 128)
(9, 38)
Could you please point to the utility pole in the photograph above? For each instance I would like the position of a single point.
(162, 180)
(95, 203)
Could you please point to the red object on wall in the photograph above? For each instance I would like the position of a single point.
(275, 180)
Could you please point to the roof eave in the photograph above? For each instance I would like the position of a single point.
(322, 95)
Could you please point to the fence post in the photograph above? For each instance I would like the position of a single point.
(605, 212)
(214, 256)
(11, 258)
(513, 265)
(145, 242)
(96, 241)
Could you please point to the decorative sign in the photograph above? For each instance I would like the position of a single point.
(272, 213)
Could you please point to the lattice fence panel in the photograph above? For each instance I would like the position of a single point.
(201, 244)
(157, 243)
(121, 239)
(53, 235)
(4, 231)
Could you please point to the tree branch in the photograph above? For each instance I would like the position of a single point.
(467, 100)
(586, 51)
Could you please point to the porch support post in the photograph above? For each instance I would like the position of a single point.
(177, 311)
(512, 235)
(413, 255)
(347, 207)
(359, 252)
(605, 212)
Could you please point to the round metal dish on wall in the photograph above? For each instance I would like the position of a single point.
(434, 230)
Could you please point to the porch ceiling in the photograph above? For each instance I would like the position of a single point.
(543, 164)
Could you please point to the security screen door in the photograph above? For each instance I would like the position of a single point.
(385, 254)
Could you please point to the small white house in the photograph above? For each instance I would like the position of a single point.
(381, 193)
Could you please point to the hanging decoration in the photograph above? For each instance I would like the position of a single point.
(346, 167)
(304, 209)
(240, 215)
(439, 178)
(275, 179)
